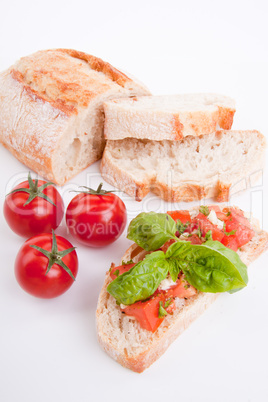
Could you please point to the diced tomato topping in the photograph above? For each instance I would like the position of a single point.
(194, 239)
(146, 312)
(240, 227)
(230, 242)
(205, 225)
(121, 269)
(181, 289)
(219, 213)
(167, 244)
(183, 216)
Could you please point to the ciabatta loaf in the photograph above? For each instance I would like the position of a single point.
(191, 169)
(136, 348)
(170, 117)
(51, 110)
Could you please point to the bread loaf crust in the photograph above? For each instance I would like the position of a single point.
(162, 338)
(54, 96)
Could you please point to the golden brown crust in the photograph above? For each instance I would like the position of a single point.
(177, 128)
(59, 104)
(100, 66)
(226, 117)
(223, 192)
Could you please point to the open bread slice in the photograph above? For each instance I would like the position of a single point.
(51, 110)
(169, 117)
(191, 169)
(136, 348)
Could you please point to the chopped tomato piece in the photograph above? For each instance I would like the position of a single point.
(219, 213)
(116, 271)
(146, 312)
(205, 225)
(167, 244)
(194, 239)
(230, 242)
(239, 226)
(183, 216)
(181, 289)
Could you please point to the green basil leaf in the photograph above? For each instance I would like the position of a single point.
(210, 267)
(127, 262)
(174, 268)
(204, 210)
(141, 281)
(161, 312)
(167, 303)
(182, 227)
(151, 230)
(208, 235)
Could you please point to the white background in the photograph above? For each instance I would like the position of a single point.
(48, 348)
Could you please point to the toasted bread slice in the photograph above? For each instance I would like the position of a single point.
(136, 348)
(169, 117)
(191, 169)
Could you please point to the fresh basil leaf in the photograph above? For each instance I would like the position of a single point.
(208, 235)
(199, 232)
(233, 232)
(167, 303)
(174, 268)
(181, 227)
(141, 281)
(210, 267)
(204, 210)
(161, 312)
(116, 272)
(151, 230)
(127, 262)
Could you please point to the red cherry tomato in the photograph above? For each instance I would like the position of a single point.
(46, 265)
(96, 218)
(29, 208)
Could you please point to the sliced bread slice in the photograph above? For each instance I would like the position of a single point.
(170, 117)
(136, 348)
(191, 169)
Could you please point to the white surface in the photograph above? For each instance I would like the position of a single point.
(48, 348)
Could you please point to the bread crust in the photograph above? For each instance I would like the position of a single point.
(180, 320)
(52, 94)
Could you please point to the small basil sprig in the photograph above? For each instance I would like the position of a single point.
(150, 230)
(141, 281)
(210, 267)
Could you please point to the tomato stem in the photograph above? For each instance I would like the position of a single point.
(54, 256)
(34, 191)
(99, 190)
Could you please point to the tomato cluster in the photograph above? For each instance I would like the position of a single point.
(47, 265)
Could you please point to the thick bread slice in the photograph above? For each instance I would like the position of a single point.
(170, 117)
(191, 169)
(51, 110)
(136, 348)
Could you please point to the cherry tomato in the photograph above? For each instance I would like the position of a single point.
(46, 265)
(33, 207)
(96, 218)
